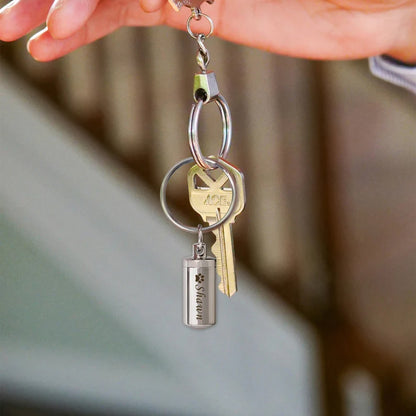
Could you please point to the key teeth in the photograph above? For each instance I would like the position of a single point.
(216, 251)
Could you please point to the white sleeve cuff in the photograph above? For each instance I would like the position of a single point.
(401, 75)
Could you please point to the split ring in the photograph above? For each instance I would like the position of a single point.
(198, 17)
(197, 230)
(199, 158)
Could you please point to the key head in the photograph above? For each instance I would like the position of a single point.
(241, 188)
(210, 198)
(193, 4)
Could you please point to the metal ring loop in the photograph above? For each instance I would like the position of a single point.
(200, 234)
(197, 230)
(199, 158)
(200, 15)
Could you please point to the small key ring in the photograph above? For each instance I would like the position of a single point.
(198, 17)
(199, 158)
(215, 163)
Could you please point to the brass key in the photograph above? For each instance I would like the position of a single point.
(212, 203)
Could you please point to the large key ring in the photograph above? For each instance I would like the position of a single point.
(214, 164)
(199, 158)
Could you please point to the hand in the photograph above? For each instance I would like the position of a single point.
(320, 29)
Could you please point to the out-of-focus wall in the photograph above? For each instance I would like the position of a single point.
(329, 157)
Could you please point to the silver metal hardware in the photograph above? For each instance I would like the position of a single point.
(199, 284)
(205, 87)
(198, 15)
(203, 57)
(213, 163)
(200, 159)
(193, 4)
(217, 205)
(206, 90)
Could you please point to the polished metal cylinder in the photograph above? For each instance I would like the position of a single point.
(199, 291)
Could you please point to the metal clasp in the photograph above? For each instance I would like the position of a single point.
(193, 4)
(205, 87)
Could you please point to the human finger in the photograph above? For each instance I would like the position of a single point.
(108, 16)
(152, 5)
(19, 17)
(68, 16)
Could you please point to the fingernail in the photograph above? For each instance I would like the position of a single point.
(30, 42)
(8, 7)
(54, 10)
(38, 34)
(57, 4)
(53, 15)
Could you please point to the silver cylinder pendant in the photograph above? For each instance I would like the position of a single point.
(199, 289)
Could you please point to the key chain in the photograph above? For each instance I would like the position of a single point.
(217, 205)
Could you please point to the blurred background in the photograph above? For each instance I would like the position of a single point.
(324, 322)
